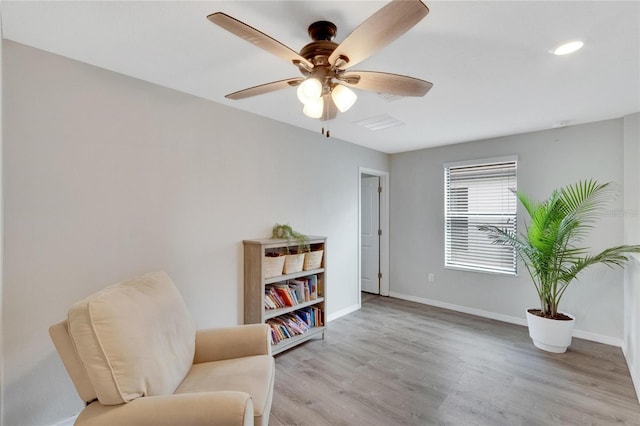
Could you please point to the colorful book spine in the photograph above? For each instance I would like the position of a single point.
(294, 323)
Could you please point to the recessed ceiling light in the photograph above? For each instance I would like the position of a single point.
(569, 47)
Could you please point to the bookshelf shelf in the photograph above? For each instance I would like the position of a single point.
(296, 340)
(311, 311)
(285, 277)
(272, 313)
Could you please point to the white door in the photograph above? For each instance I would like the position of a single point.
(369, 238)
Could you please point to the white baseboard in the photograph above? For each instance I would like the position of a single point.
(343, 312)
(599, 338)
(67, 422)
(580, 334)
(463, 309)
(635, 378)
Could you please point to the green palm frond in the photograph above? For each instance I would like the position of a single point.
(529, 204)
(613, 256)
(584, 202)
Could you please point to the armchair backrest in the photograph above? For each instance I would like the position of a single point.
(135, 338)
(60, 335)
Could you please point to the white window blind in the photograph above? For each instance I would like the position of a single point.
(478, 194)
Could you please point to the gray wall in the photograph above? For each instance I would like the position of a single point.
(631, 345)
(547, 160)
(107, 177)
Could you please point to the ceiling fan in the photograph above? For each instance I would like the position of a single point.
(325, 65)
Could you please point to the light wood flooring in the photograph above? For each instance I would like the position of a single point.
(401, 363)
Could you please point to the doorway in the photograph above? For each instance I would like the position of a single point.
(373, 214)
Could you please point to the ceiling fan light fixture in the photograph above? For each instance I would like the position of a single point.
(343, 97)
(310, 90)
(324, 63)
(314, 109)
(569, 47)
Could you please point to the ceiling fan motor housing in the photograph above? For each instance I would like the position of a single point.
(322, 30)
(318, 51)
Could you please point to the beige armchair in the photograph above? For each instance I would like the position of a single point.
(135, 357)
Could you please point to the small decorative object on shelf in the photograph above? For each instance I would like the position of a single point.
(312, 260)
(273, 264)
(297, 248)
(293, 263)
(286, 232)
(293, 303)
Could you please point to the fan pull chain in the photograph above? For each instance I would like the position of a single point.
(327, 133)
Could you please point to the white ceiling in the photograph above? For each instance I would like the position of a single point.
(489, 62)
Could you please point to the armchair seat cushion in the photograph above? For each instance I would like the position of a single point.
(252, 374)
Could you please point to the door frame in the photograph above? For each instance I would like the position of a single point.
(384, 225)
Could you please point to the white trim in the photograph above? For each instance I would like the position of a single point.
(463, 309)
(484, 271)
(481, 161)
(384, 225)
(2, 267)
(635, 378)
(66, 422)
(580, 334)
(343, 312)
(595, 337)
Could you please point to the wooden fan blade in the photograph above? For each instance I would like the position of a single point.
(382, 82)
(265, 88)
(330, 109)
(258, 38)
(380, 29)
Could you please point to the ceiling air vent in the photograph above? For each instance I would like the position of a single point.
(379, 122)
(389, 97)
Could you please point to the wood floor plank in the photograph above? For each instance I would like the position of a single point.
(396, 362)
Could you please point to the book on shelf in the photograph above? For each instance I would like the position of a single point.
(298, 287)
(313, 287)
(284, 292)
(291, 292)
(312, 316)
(306, 287)
(294, 323)
(307, 293)
(269, 303)
(272, 296)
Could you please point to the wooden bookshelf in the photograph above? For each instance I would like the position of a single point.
(255, 283)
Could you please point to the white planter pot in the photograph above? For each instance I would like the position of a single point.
(550, 335)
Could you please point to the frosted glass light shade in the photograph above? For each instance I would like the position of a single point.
(314, 109)
(569, 47)
(310, 90)
(343, 97)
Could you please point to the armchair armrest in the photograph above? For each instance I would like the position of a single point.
(216, 344)
(205, 408)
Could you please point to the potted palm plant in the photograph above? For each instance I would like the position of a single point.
(551, 252)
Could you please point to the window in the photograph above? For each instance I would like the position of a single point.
(479, 193)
